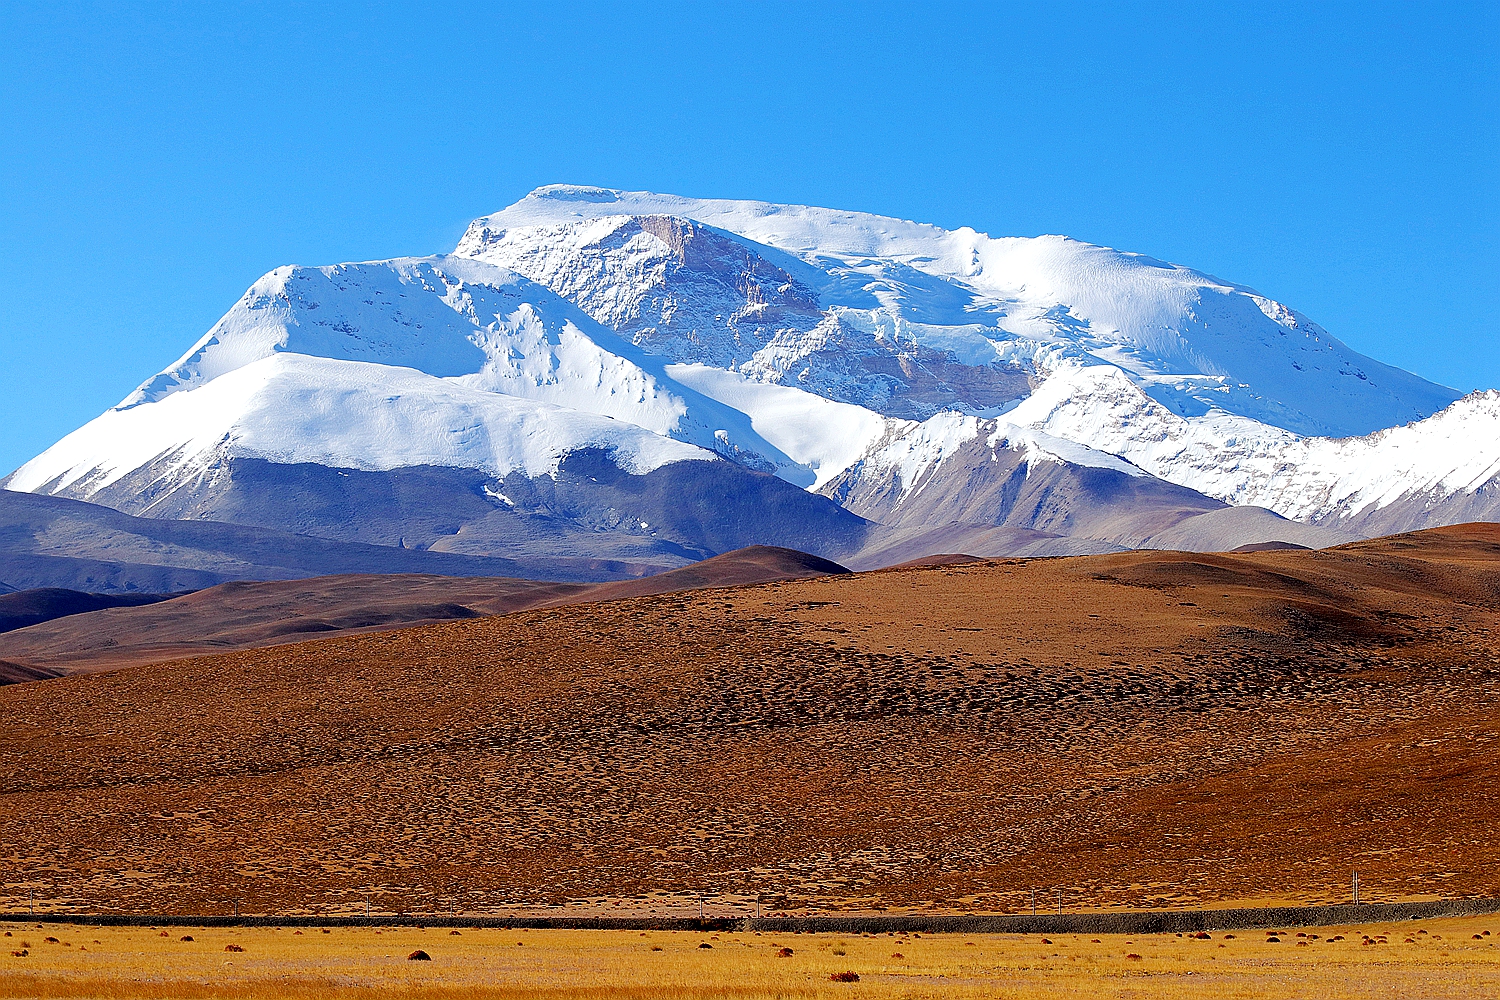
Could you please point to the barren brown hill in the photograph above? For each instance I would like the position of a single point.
(244, 615)
(43, 604)
(1145, 729)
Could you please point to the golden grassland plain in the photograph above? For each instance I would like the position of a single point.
(1427, 958)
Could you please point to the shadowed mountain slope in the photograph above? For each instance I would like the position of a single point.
(56, 542)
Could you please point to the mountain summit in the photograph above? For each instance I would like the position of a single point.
(616, 375)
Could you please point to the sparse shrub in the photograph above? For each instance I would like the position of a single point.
(1133, 957)
(656, 947)
(840, 952)
(897, 954)
(843, 977)
(783, 953)
(453, 934)
(1273, 940)
(52, 940)
(704, 944)
(233, 947)
(186, 937)
(419, 956)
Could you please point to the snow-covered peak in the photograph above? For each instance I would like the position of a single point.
(847, 353)
(892, 289)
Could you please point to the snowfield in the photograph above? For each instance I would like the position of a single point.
(291, 408)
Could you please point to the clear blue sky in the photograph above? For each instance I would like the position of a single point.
(1344, 158)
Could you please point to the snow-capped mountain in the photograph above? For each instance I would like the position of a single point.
(907, 318)
(617, 375)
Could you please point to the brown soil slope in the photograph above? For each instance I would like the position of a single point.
(1142, 728)
(43, 604)
(244, 615)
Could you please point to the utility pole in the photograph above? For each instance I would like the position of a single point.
(700, 907)
(1356, 888)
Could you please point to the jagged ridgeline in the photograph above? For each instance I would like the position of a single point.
(628, 382)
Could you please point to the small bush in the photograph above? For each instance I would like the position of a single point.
(783, 953)
(705, 944)
(419, 956)
(233, 947)
(1133, 957)
(186, 937)
(844, 977)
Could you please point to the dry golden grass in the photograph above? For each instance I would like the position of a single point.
(1443, 959)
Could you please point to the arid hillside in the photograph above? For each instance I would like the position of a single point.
(1142, 729)
(253, 615)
